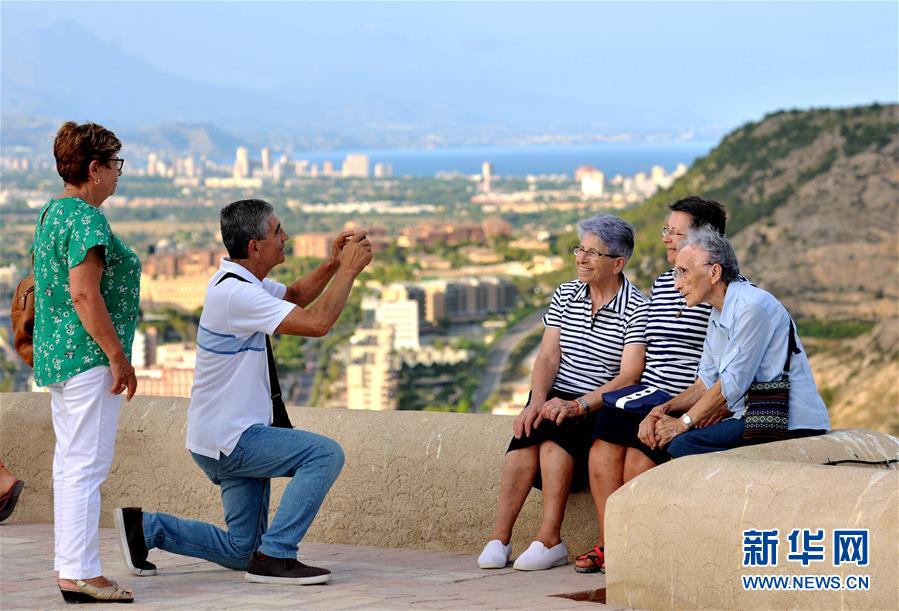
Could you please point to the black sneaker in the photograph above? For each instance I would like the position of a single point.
(129, 524)
(265, 569)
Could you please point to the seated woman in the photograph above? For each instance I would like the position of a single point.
(593, 344)
(747, 341)
(674, 340)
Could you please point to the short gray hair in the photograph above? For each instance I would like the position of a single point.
(718, 248)
(615, 233)
(243, 221)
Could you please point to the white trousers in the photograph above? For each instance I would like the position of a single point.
(85, 419)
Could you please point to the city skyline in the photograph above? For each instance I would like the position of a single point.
(490, 72)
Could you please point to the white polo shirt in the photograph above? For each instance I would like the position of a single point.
(231, 390)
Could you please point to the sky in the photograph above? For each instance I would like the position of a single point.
(709, 64)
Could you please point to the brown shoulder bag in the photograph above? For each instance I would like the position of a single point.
(23, 319)
(22, 314)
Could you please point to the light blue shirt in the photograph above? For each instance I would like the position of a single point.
(747, 342)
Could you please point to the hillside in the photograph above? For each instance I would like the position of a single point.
(813, 203)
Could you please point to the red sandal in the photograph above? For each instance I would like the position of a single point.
(8, 501)
(597, 559)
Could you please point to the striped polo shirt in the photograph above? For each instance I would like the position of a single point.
(674, 337)
(231, 390)
(591, 345)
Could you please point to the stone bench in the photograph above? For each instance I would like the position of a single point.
(675, 534)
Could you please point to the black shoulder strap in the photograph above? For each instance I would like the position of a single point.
(792, 348)
(231, 275)
(279, 411)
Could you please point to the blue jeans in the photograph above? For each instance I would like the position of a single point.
(724, 435)
(313, 463)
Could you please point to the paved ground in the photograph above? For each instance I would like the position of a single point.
(364, 578)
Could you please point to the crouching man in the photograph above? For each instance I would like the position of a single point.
(238, 432)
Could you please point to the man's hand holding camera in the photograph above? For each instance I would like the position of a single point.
(355, 252)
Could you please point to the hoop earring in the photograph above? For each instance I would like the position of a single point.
(97, 181)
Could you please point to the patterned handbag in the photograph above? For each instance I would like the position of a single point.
(768, 403)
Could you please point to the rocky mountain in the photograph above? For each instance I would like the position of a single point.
(813, 203)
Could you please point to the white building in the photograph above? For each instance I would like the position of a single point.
(372, 373)
(593, 183)
(266, 162)
(399, 314)
(486, 176)
(241, 162)
(355, 165)
(152, 159)
(383, 170)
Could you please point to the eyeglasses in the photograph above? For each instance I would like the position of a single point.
(666, 231)
(681, 272)
(119, 163)
(591, 254)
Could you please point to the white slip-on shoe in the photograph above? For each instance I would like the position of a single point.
(495, 555)
(538, 557)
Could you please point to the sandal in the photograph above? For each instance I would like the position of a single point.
(8, 501)
(87, 593)
(597, 559)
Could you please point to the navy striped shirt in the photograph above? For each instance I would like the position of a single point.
(591, 345)
(673, 342)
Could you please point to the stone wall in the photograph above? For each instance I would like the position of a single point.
(412, 479)
(431, 480)
(675, 534)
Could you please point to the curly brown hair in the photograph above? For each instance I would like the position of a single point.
(76, 146)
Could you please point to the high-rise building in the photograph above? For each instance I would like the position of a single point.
(581, 170)
(242, 162)
(486, 176)
(266, 155)
(372, 371)
(435, 310)
(593, 183)
(189, 166)
(152, 159)
(355, 166)
(399, 314)
(417, 294)
(383, 170)
(644, 184)
(660, 177)
(327, 168)
(464, 300)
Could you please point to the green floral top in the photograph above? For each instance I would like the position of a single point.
(62, 347)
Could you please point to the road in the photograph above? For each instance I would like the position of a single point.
(499, 356)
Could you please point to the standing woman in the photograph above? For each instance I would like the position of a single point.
(87, 288)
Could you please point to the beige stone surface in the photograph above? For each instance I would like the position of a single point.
(430, 481)
(412, 479)
(363, 578)
(674, 538)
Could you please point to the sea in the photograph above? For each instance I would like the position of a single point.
(612, 159)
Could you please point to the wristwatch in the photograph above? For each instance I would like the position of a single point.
(687, 420)
(584, 405)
